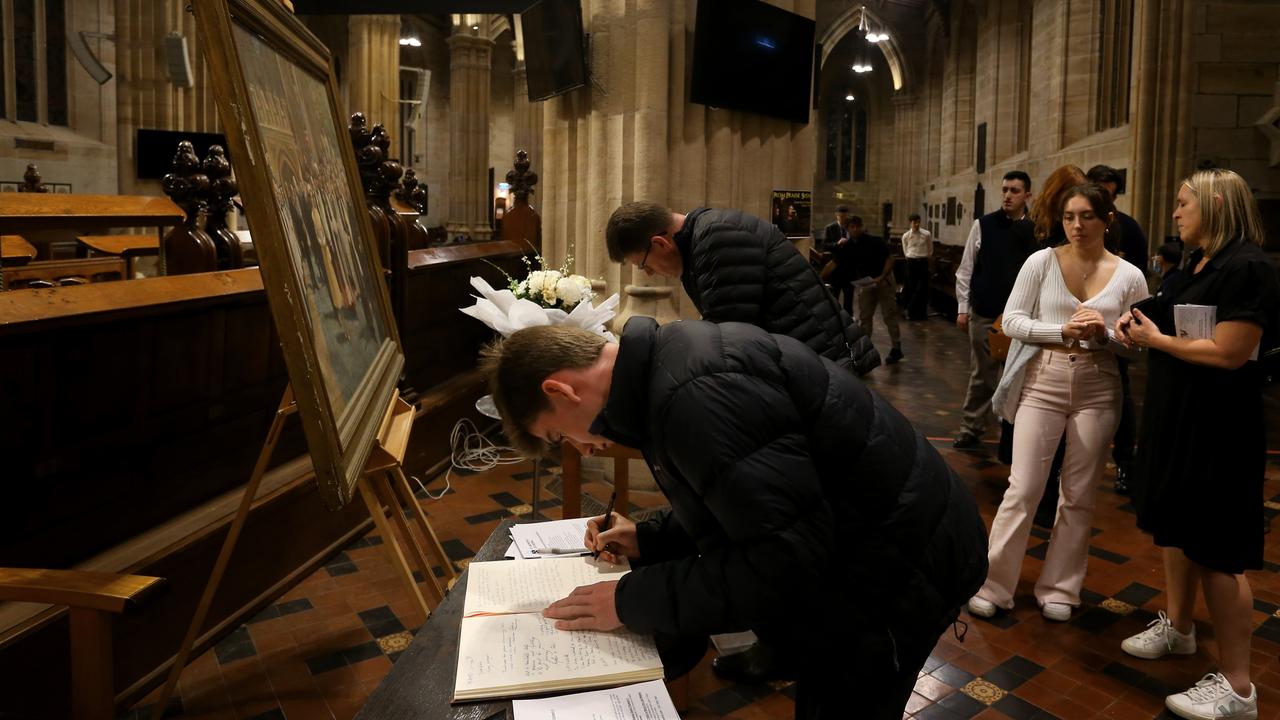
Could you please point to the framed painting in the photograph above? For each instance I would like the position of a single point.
(277, 98)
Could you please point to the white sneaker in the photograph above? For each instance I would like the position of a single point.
(1160, 639)
(1213, 699)
(1056, 611)
(981, 608)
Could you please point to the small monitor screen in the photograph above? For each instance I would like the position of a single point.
(749, 55)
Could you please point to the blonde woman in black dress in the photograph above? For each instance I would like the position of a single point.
(1202, 453)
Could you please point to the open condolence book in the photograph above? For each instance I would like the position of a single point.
(507, 649)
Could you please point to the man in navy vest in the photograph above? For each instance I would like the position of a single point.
(992, 258)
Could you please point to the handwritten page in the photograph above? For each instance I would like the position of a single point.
(525, 653)
(645, 701)
(563, 534)
(507, 649)
(508, 587)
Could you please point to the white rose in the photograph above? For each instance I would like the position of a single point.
(585, 285)
(535, 282)
(570, 291)
(549, 294)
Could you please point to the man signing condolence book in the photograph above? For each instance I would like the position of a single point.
(803, 506)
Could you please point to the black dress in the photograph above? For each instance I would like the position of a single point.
(1202, 455)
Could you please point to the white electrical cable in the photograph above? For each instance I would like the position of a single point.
(470, 450)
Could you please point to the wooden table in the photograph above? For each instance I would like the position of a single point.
(129, 247)
(420, 684)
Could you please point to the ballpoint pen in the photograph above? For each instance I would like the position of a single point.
(608, 517)
(560, 551)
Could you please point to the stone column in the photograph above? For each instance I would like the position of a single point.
(470, 57)
(1161, 121)
(373, 78)
(527, 119)
(906, 195)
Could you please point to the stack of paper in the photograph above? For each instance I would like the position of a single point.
(645, 701)
(507, 649)
(564, 536)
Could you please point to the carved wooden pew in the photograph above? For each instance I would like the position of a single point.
(93, 599)
(76, 271)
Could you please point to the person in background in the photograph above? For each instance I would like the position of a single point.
(836, 235)
(917, 246)
(1167, 264)
(737, 267)
(988, 268)
(1201, 461)
(867, 258)
(1127, 237)
(1060, 376)
(1129, 242)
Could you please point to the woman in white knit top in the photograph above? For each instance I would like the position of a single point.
(1060, 375)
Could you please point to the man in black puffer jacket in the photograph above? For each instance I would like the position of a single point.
(739, 268)
(803, 506)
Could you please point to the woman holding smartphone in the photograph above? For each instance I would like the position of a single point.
(1202, 453)
(1061, 376)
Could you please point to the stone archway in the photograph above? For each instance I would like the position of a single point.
(848, 22)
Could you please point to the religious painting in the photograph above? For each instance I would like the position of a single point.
(277, 98)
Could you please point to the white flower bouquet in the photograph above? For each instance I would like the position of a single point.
(544, 297)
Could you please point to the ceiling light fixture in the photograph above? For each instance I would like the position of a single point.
(849, 98)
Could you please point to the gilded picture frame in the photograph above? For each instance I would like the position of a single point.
(277, 99)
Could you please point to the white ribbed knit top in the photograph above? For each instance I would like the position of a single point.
(1041, 304)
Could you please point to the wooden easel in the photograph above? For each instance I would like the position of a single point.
(382, 480)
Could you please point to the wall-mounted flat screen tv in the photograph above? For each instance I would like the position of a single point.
(555, 56)
(749, 55)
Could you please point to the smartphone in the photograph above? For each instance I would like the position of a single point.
(1146, 306)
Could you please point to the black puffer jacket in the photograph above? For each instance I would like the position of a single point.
(739, 268)
(803, 504)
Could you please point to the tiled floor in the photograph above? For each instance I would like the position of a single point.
(324, 646)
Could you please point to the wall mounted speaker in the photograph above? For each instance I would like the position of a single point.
(420, 91)
(87, 59)
(177, 62)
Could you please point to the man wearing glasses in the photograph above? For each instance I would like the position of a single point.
(739, 268)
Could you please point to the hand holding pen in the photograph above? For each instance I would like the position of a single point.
(613, 537)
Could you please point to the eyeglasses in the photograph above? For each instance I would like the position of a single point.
(645, 259)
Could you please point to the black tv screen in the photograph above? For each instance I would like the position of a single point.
(555, 58)
(156, 149)
(749, 55)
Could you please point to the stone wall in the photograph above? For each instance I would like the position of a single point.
(1236, 89)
